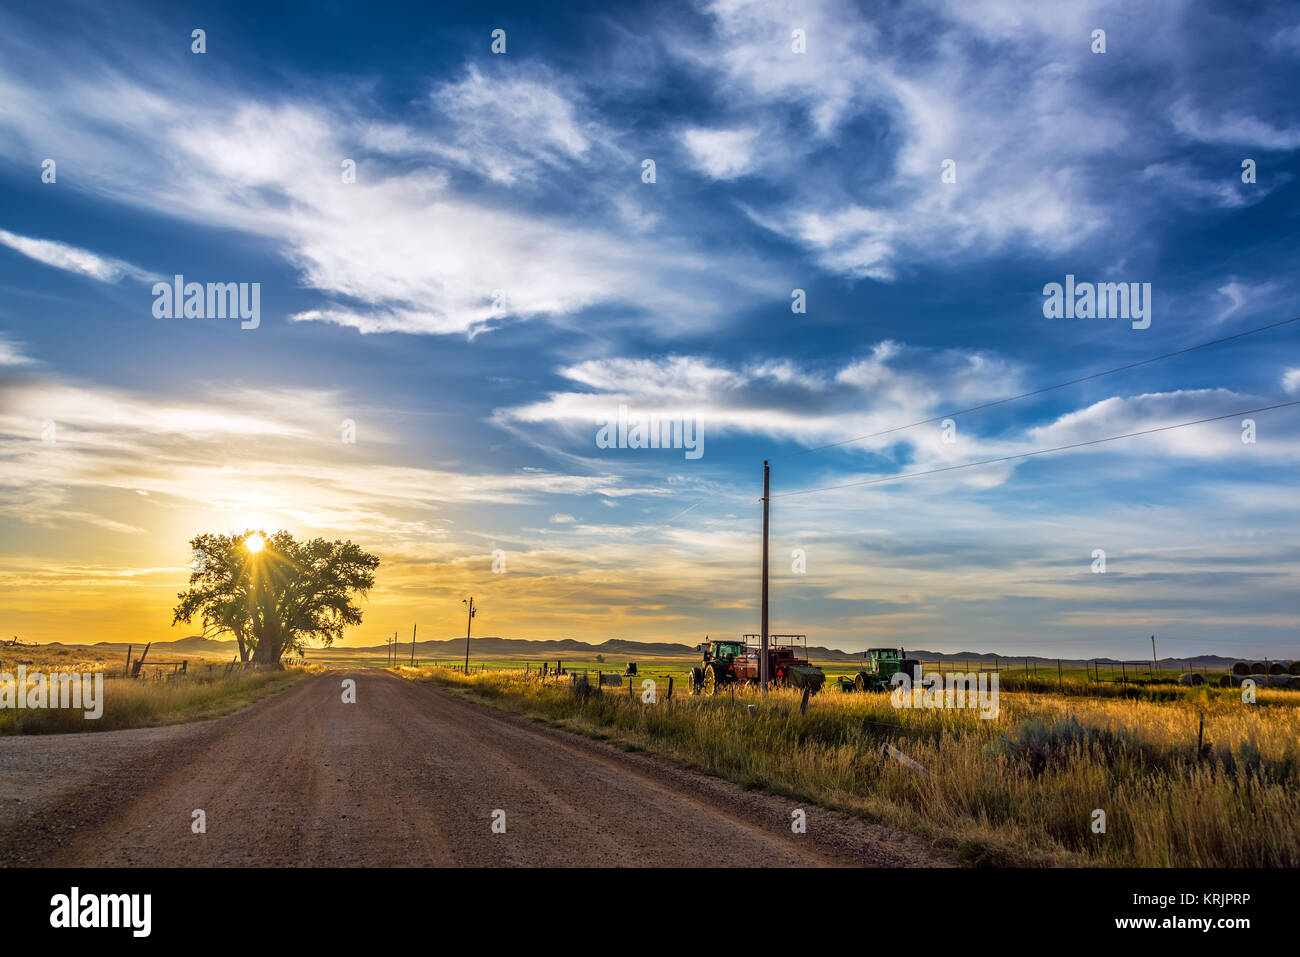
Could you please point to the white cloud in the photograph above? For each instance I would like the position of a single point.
(1235, 129)
(277, 460)
(868, 399)
(73, 259)
(11, 354)
(513, 126)
(721, 154)
(404, 247)
(1241, 294)
(1026, 180)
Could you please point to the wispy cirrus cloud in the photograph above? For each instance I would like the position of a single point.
(74, 259)
(270, 455)
(11, 353)
(403, 248)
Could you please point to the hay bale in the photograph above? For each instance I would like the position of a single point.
(1278, 668)
(1191, 679)
(1280, 681)
(1225, 681)
(1257, 668)
(1240, 668)
(1295, 667)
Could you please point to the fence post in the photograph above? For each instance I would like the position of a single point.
(670, 687)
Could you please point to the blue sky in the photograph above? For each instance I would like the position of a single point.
(499, 276)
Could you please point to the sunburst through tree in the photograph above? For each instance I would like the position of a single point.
(273, 593)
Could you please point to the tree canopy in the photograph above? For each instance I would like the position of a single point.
(273, 593)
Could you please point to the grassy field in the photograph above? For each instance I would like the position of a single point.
(1141, 685)
(135, 703)
(1020, 789)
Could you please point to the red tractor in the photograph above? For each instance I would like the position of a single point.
(738, 661)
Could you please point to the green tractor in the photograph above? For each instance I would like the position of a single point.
(881, 666)
(719, 667)
(738, 662)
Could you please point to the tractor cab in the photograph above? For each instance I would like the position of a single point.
(883, 661)
(725, 652)
(879, 669)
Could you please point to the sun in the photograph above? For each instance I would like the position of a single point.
(255, 542)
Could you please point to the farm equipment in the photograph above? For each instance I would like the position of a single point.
(731, 661)
(882, 664)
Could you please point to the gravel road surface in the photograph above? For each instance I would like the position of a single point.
(409, 775)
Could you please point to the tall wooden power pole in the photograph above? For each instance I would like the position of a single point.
(468, 622)
(1154, 666)
(413, 627)
(762, 649)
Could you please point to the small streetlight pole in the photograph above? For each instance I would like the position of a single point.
(468, 622)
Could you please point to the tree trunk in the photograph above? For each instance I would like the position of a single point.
(268, 652)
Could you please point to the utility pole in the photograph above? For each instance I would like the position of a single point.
(468, 622)
(1153, 657)
(413, 627)
(762, 651)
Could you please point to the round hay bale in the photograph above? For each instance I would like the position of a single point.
(1240, 668)
(1225, 681)
(1280, 681)
(1295, 667)
(1191, 678)
(1257, 668)
(1278, 668)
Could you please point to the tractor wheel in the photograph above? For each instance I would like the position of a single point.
(711, 681)
(860, 681)
(695, 680)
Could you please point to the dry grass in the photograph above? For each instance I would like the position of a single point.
(136, 703)
(1019, 789)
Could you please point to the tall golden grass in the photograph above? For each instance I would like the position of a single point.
(137, 703)
(1019, 789)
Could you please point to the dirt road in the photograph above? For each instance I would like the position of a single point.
(409, 775)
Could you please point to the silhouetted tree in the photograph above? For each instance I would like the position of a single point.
(273, 593)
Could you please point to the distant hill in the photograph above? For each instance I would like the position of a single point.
(496, 647)
(193, 645)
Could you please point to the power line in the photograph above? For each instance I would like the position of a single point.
(1025, 455)
(1050, 388)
